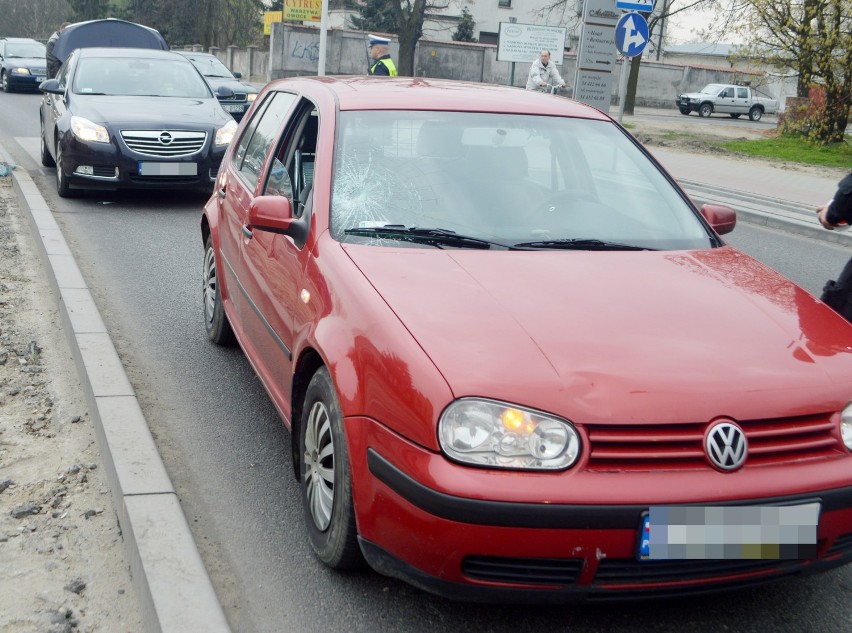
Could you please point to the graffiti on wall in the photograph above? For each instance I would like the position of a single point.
(305, 50)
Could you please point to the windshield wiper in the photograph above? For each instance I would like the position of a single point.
(584, 245)
(421, 235)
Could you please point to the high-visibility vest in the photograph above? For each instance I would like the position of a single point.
(388, 63)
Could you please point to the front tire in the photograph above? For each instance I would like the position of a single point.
(684, 111)
(215, 320)
(325, 477)
(4, 79)
(62, 186)
(705, 110)
(755, 113)
(46, 158)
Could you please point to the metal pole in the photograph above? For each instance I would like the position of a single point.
(622, 87)
(323, 38)
(512, 74)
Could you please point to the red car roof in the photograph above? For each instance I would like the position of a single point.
(420, 93)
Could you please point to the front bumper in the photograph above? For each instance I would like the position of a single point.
(24, 82)
(114, 166)
(436, 525)
(682, 104)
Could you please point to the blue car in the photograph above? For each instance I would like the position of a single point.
(22, 63)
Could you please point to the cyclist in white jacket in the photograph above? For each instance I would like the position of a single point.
(542, 73)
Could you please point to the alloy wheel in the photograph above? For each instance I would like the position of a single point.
(319, 466)
(211, 282)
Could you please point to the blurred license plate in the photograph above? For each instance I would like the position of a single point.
(167, 169)
(233, 108)
(729, 532)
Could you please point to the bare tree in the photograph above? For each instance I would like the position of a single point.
(37, 19)
(814, 37)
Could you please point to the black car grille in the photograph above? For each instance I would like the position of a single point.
(842, 546)
(165, 143)
(526, 571)
(239, 97)
(38, 70)
(631, 572)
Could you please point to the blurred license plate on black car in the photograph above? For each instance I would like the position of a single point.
(729, 532)
(147, 168)
(233, 108)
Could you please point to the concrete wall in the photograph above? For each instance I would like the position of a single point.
(294, 51)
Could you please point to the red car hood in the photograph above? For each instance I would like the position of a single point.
(619, 336)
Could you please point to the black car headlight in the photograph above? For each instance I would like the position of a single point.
(20, 71)
(85, 130)
(499, 435)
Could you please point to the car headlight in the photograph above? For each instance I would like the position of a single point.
(251, 96)
(500, 435)
(225, 134)
(85, 130)
(846, 425)
(21, 71)
(694, 99)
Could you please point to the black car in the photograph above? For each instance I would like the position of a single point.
(217, 74)
(132, 118)
(22, 63)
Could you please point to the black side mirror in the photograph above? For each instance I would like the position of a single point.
(223, 92)
(237, 75)
(51, 86)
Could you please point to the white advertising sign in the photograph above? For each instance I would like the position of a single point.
(600, 12)
(593, 88)
(524, 42)
(597, 47)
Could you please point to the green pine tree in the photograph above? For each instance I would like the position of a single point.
(464, 31)
(376, 15)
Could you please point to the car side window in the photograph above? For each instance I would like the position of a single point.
(292, 170)
(259, 136)
(62, 75)
(742, 93)
(728, 93)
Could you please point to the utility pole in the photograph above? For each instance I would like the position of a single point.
(662, 28)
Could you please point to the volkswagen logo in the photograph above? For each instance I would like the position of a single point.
(726, 446)
(165, 138)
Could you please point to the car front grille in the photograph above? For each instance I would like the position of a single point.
(630, 572)
(164, 143)
(842, 546)
(621, 447)
(239, 97)
(525, 571)
(40, 70)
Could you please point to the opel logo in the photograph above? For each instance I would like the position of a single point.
(165, 138)
(726, 446)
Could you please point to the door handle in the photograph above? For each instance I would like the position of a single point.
(247, 232)
(222, 192)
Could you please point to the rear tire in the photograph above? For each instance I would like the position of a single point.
(705, 110)
(755, 113)
(215, 320)
(325, 477)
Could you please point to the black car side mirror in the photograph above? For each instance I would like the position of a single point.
(237, 75)
(51, 86)
(223, 92)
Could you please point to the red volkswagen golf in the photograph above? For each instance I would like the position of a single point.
(516, 361)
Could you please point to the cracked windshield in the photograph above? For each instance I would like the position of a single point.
(427, 179)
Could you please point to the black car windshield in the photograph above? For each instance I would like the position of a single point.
(149, 77)
(26, 49)
(542, 182)
(210, 66)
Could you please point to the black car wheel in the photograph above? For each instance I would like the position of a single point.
(735, 116)
(684, 111)
(4, 78)
(325, 477)
(705, 110)
(755, 113)
(62, 187)
(46, 158)
(215, 320)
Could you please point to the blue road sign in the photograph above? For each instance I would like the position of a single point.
(631, 34)
(645, 6)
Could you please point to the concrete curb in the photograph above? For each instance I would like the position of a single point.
(174, 590)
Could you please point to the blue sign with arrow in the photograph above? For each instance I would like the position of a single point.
(631, 34)
(646, 6)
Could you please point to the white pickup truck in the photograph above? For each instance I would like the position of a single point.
(726, 99)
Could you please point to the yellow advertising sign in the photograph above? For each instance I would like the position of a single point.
(268, 18)
(302, 10)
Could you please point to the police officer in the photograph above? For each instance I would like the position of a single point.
(381, 63)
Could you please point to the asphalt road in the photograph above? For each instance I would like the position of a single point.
(228, 453)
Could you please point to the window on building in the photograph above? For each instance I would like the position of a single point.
(504, 4)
